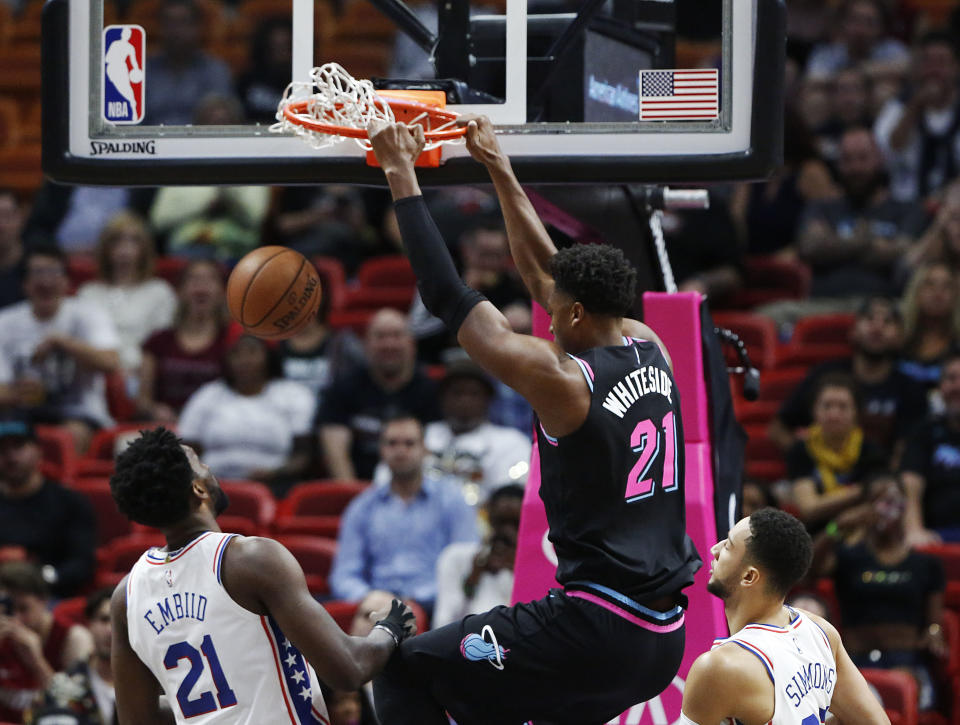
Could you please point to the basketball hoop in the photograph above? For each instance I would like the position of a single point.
(335, 105)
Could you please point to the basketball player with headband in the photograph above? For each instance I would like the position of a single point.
(612, 470)
(781, 666)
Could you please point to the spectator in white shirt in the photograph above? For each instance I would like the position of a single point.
(465, 444)
(474, 577)
(55, 349)
(251, 423)
(138, 303)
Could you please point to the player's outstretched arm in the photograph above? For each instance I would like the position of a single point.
(535, 368)
(530, 245)
(852, 700)
(727, 682)
(264, 578)
(137, 690)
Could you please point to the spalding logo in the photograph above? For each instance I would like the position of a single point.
(298, 303)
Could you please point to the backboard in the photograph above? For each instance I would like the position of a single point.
(568, 84)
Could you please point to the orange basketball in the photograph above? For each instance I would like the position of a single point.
(273, 292)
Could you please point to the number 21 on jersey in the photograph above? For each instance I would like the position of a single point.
(204, 702)
(649, 440)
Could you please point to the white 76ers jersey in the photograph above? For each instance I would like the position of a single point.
(216, 661)
(800, 663)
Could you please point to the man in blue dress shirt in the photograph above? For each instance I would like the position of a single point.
(392, 534)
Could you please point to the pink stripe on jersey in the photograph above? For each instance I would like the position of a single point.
(550, 439)
(659, 628)
(586, 365)
(276, 662)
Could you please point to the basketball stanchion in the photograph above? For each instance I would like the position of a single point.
(334, 105)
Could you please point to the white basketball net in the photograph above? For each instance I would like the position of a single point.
(337, 98)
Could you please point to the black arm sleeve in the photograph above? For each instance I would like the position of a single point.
(442, 290)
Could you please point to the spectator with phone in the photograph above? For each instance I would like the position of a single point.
(34, 643)
(475, 577)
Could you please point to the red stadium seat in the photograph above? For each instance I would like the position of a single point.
(808, 354)
(80, 269)
(170, 268)
(71, 610)
(951, 633)
(768, 279)
(121, 406)
(59, 452)
(375, 298)
(250, 500)
(321, 498)
(949, 555)
(353, 320)
(342, 612)
(764, 460)
(756, 413)
(828, 592)
(824, 329)
(423, 620)
(315, 555)
(111, 524)
(758, 333)
(98, 461)
(898, 691)
(325, 526)
(334, 279)
(779, 383)
(12, 552)
(120, 555)
(390, 271)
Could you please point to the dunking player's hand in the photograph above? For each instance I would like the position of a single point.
(396, 145)
(399, 623)
(482, 140)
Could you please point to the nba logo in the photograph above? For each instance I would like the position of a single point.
(124, 51)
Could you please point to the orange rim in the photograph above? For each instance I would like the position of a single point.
(436, 115)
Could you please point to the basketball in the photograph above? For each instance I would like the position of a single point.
(136, 75)
(273, 292)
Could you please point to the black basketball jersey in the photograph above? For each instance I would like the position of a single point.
(613, 489)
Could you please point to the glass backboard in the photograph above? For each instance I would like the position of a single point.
(581, 91)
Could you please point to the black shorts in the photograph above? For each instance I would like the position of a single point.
(580, 656)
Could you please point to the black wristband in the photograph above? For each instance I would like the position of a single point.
(443, 292)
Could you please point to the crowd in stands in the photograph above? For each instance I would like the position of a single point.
(385, 460)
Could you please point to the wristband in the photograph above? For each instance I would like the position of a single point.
(396, 639)
(832, 530)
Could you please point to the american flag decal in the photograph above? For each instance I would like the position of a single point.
(679, 95)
